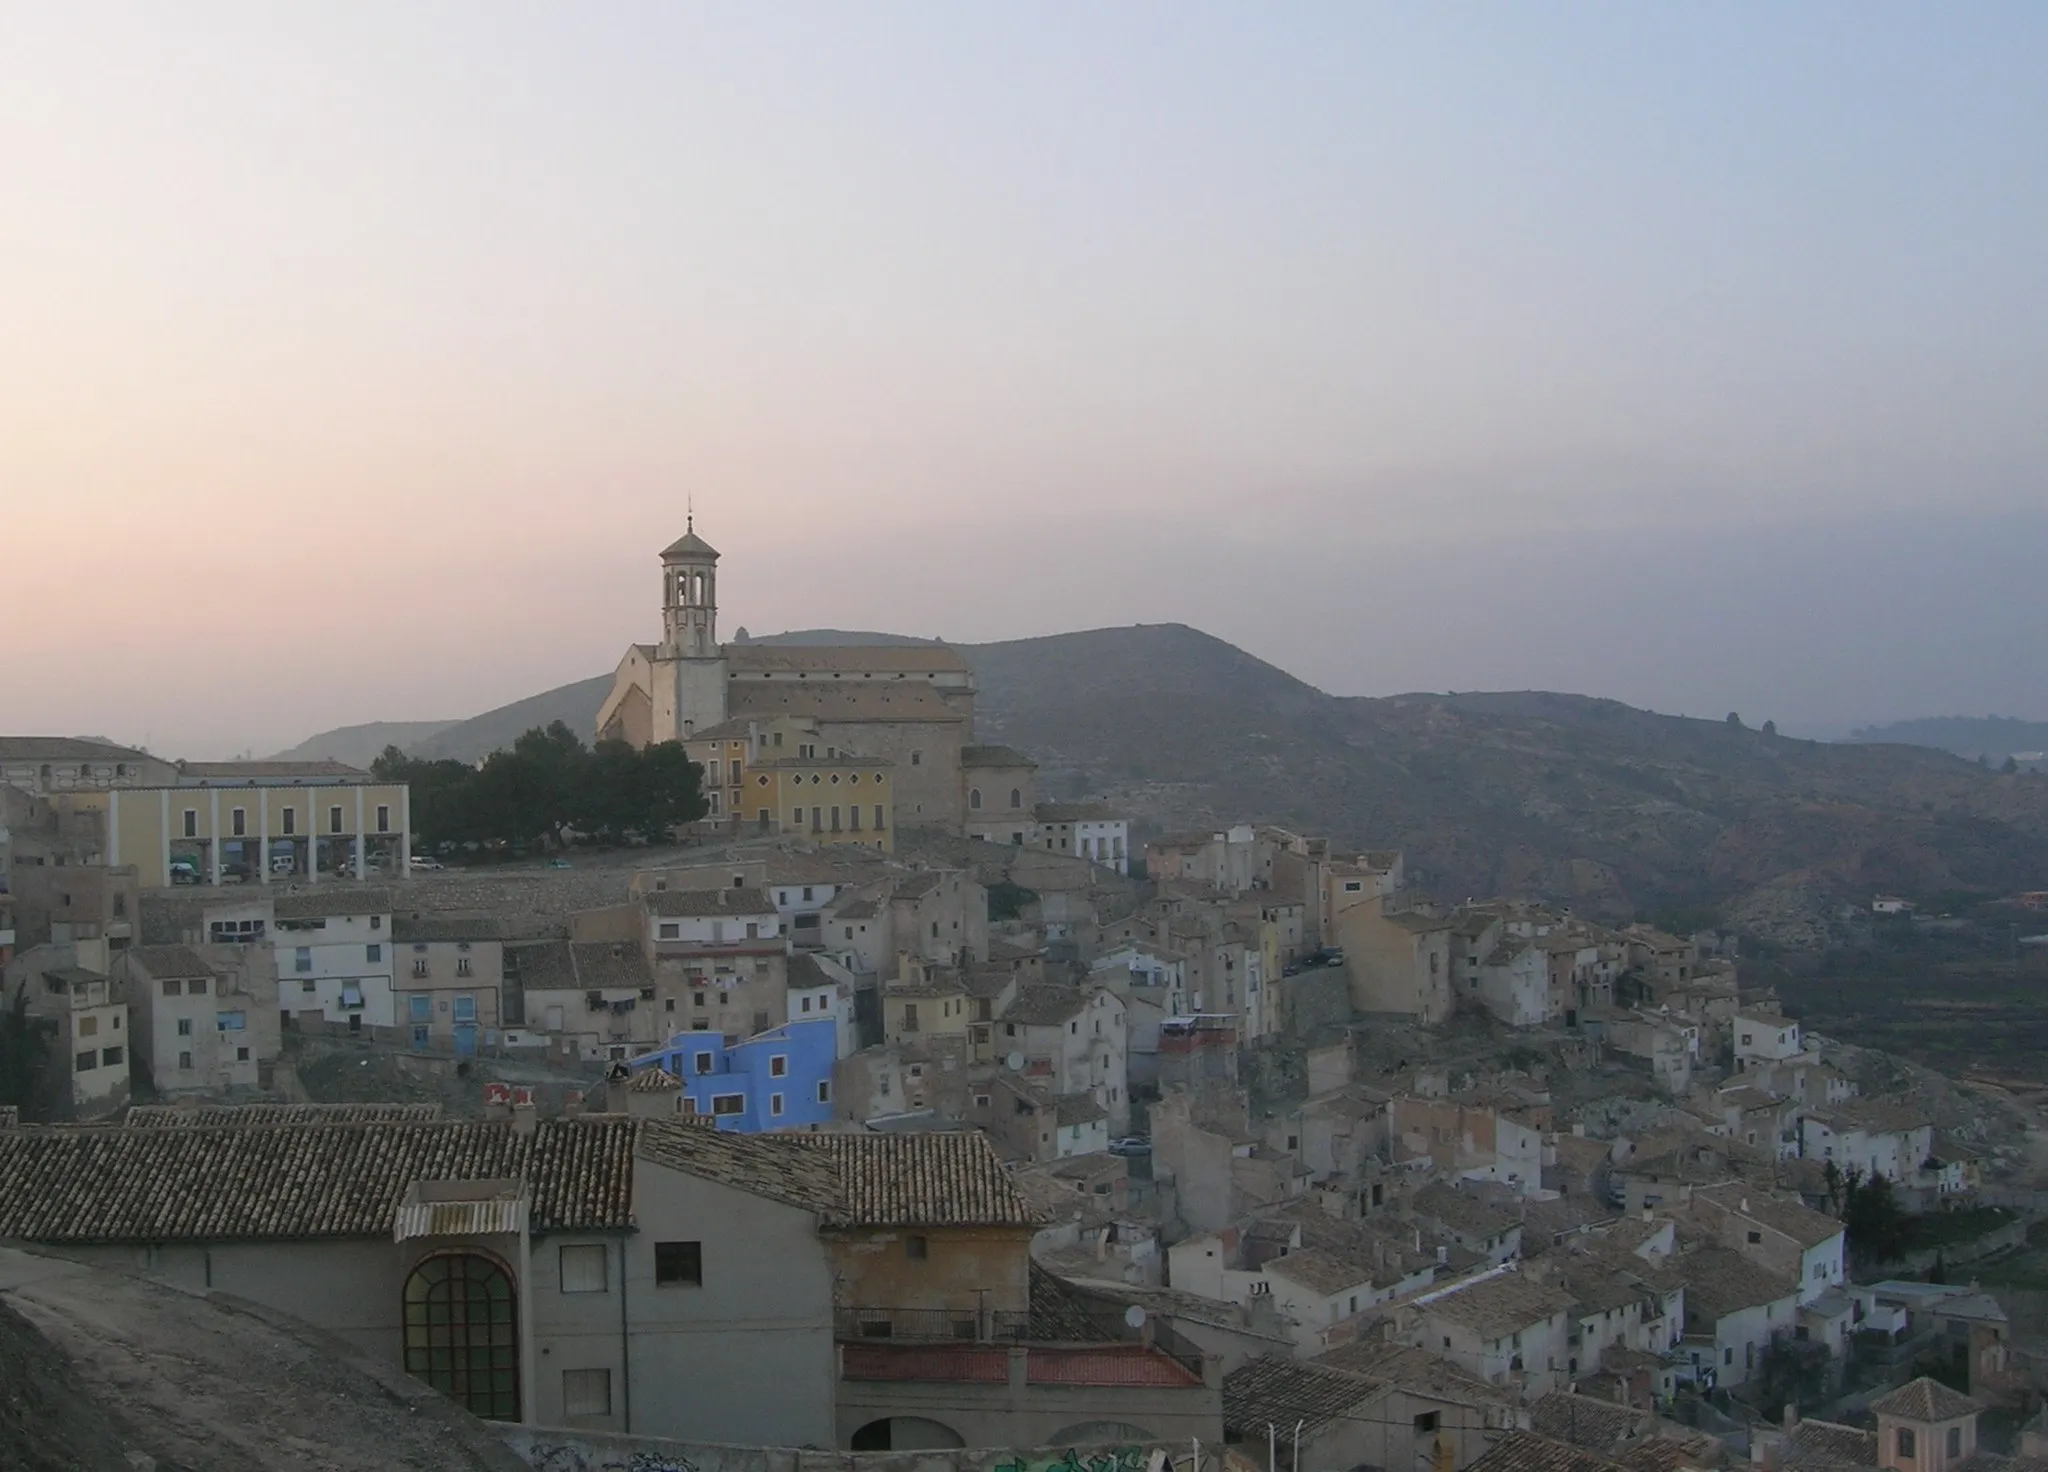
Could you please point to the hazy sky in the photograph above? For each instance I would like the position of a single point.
(355, 360)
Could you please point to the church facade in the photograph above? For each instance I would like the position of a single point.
(911, 705)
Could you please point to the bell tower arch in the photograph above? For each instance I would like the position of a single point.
(689, 665)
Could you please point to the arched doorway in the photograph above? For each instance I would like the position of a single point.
(462, 1332)
(905, 1434)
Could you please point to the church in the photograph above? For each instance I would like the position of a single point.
(910, 705)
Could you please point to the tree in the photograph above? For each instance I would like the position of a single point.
(1831, 1173)
(1770, 728)
(24, 1048)
(2011, 767)
(1735, 720)
(1871, 1218)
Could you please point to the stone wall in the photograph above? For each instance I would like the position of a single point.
(548, 1449)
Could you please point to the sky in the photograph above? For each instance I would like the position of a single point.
(356, 360)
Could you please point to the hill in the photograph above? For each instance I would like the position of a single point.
(1587, 802)
(476, 738)
(1992, 737)
(358, 746)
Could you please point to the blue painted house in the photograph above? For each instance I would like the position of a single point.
(780, 1079)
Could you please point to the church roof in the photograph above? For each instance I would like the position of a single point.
(689, 544)
(868, 659)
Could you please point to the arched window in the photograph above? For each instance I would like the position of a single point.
(462, 1332)
(917, 758)
(974, 798)
(1016, 798)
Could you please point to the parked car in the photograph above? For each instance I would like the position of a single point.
(1131, 1145)
(560, 864)
(184, 871)
(421, 863)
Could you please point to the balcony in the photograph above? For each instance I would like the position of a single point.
(932, 1325)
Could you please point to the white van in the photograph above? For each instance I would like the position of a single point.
(283, 864)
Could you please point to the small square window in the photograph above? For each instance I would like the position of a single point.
(778, 1066)
(586, 1392)
(679, 1264)
(584, 1268)
(917, 1248)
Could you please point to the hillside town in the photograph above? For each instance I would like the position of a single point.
(890, 1107)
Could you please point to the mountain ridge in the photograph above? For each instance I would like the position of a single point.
(1574, 799)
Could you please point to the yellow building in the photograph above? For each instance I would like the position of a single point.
(255, 821)
(779, 776)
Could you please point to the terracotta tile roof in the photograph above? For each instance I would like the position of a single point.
(1719, 1282)
(66, 749)
(1525, 1451)
(1078, 1109)
(994, 756)
(1925, 1399)
(1597, 1425)
(230, 1116)
(1499, 1305)
(1320, 1271)
(1461, 1211)
(606, 964)
(1283, 1390)
(1806, 1227)
(780, 1167)
(542, 966)
(672, 904)
(168, 961)
(1417, 1370)
(1829, 1444)
(1075, 812)
(407, 928)
(117, 1184)
(1044, 1004)
(952, 1179)
(1672, 1453)
(653, 1081)
(331, 900)
(908, 658)
(1060, 1311)
(320, 768)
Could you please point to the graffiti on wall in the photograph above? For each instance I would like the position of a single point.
(548, 1458)
(1109, 1459)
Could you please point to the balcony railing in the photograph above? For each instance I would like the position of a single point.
(933, 1325)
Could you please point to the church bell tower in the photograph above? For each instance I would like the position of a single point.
(689, 602)
(689, 637)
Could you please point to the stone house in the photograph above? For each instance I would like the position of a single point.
(1467, 1142)
(999, 790)
(1399, 962)
(1784, 1237)
(1503, 1326)
(83, 1012)
(1069, 1042)
(201, 1020)
(1870, 1137)
(449, 980)
(1733, 1308)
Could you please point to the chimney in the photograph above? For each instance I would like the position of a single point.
(573, 1104)
(525, 1118)
(1791, 1414)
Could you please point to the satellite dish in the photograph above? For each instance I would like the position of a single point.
(1134, 1317)
(1015, 1063)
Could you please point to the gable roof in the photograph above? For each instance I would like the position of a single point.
(1719, 1282)
(244, 1116)
(867, 658)
(775, 1166)
(1321, 1271)
(672, 904)
(1498, 1305)
(1802, 1224)
(1525, 1451)
(1925, 1399)
(1282, 1390)
(165, 962)
(947, 1179)
(104, 1184)
(1597, 1425)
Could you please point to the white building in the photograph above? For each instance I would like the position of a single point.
(1783, 1237)
(1765, 1037)
(334, 956)
(1732, 1309)
(1513, 983)
(821, 987)
(1868, 1137)
(1067, 1042)
(1087, 830)
(1505, 1326)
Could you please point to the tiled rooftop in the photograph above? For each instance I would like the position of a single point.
(1282, 1390)
(1525, 1451)
(247, 1116)
(1597, 1425)
(672, 904)
(946, 1179)
(1500, 1305)
(1925, 1399)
